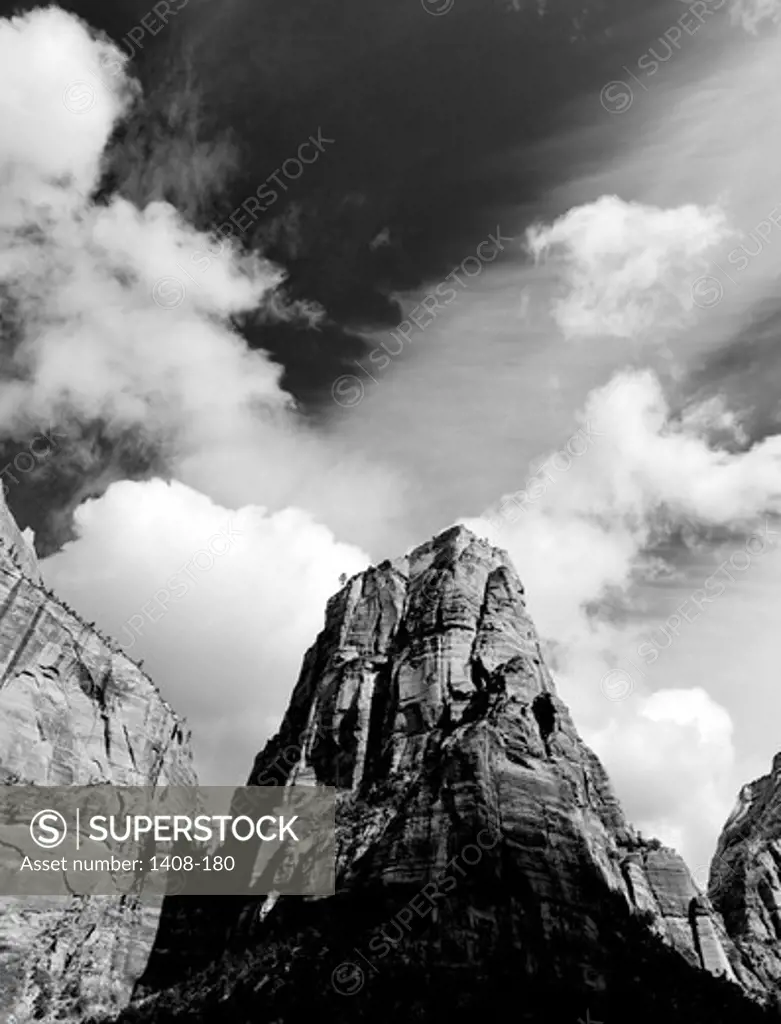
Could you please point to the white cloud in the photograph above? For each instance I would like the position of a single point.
(626, 268)
(583, 525)
(674, 757)
(122, 313)
(226, 643)
(62, 91)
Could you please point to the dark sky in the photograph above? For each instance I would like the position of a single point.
(431, 117)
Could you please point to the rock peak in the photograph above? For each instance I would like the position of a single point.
(14, 546)
(445, 547)
(451, 543)
(453, 538)
(407, 646)
(426, 702)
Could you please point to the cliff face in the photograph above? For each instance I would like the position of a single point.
(13, 545)
(73, 711)
(482, 855)
(745, 876)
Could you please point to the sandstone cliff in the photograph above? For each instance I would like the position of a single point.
(14, 546)
(482, 855)
(73, 710)
(745, 876)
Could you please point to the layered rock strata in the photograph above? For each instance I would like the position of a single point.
(745, 876)
(482, 854)
(74, 710)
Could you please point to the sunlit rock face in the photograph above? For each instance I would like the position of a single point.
(482, 855)
(74, 710)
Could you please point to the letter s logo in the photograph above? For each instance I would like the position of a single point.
(48, 829)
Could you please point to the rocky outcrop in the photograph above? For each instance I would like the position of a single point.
(745, 876)
(74, 710)
(14, 546)
(482, 854)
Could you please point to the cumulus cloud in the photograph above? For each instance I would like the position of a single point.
(222, 632)
(52, 68)
(96, 341)
(683, 740)
(626, 267)
(580, 533)
(118, 313)
(586, 515)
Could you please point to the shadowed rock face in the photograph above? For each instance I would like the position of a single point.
(745, 876)
(74, 710)
(14, 547)
(482, 855)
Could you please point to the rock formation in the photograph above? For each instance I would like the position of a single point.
(74, 710)
(483, 860)
(745, 876)
(14, 546)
